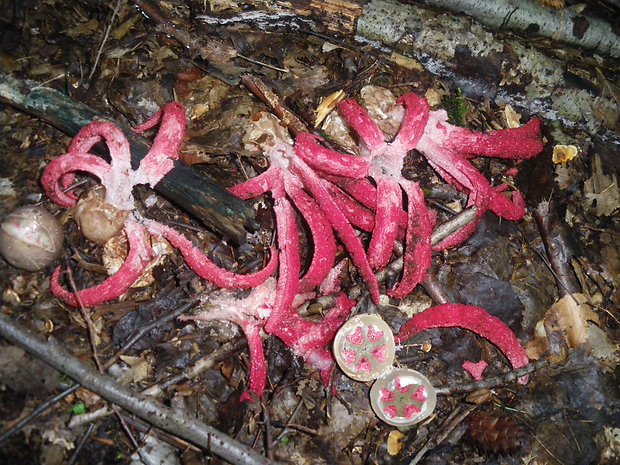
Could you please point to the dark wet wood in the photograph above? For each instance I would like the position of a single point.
(185, 186)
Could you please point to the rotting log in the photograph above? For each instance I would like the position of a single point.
(184, 185)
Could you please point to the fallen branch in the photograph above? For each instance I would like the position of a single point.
(564, 25)
(177, 422)
(558, 245)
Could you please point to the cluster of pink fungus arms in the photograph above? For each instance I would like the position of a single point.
(474, 319)
(119, 178)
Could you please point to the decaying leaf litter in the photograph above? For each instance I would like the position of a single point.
(566, 414)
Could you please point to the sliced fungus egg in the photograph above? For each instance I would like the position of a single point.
(403, 397)
(364, 347)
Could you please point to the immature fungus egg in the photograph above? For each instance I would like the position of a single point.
(30, 238)
(98, 220)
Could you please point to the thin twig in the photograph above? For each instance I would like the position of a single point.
(455, 419)
(38, 411)
(93, 341)
(268, 430)
(492, 381)
(92, 333)
(175, 421)
(78, 448)
(156, 323)
(286, 428)
(105, 39)
(205, 363)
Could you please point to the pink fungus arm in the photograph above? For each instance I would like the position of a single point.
(165, 149)
(257, 185)
(515, 143)
(502, 206)
(58, 175)
(340, 223)
(205, 268)
(417, 258)
(290, 265)
(258, 365)
(308, 148)
(324, 244)
(138, 257)
(414, 122)
(389, 206)
(474, 319)
(358, 118)
(358, 215)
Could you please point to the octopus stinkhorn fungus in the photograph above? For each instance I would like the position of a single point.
(446, 147)
(118, 179)
(383, 161)
(307, 339)
(292, 182)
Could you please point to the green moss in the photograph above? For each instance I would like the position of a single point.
(456, 107)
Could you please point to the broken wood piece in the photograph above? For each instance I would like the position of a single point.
(185, 186)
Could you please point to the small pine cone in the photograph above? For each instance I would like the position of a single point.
(495, 432)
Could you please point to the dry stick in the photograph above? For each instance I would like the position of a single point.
(92, 335)
(491, 382)
(268, 431)
(36, 412)
(104, 412)
(152, 325)
(455, 418)
(80, 445)
(175, 421)
(557, 241)
(205, 363)
(105, 39)
(286, 428)
(146, 428)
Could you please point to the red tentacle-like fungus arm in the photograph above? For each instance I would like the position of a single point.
(474, 319)
(323, 241)
(417, 241)
(522, 142)
(339, 222)
(385, 231)
(329, 161)
(205, 268)
(386, 200)
(290, 264)
(115, 176)
(448, 148)
(165, 149)
(250, 313)
(140, 254)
